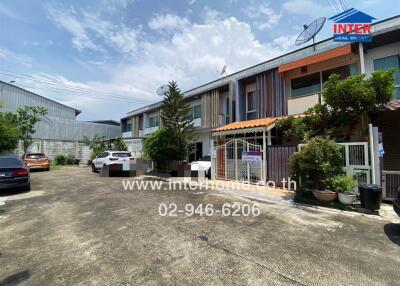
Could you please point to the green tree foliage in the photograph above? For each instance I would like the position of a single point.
(97, 144)
(174, 116)
(165, 145)
(24, 120)
(8, 133)
(344, 101)
(318, 161)
(119, 145)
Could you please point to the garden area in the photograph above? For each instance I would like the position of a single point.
(347, 107)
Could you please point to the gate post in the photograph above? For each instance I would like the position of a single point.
(264, 160)
(236, 160)
(248, 165)
(225, 158)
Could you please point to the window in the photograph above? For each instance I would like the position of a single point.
(305, 85)
(154, 121)
(388, 63)
(251, 105)
(127, 127)
(194, 112)
(343, 73)
(121, 155)
(35, 156)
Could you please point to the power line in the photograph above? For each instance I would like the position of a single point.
(73, 93)
(336, 7)
(69, 87)
(331, 7)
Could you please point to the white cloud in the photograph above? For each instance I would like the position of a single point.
(81, 25)
(286, 42)
(265, 15)
(306, 7)
(191, 2)
(167, 22)
(191, 55)
(15, 58)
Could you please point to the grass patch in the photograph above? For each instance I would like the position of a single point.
(54, 167)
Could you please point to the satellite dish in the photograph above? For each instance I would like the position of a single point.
(310, 31)
(162, 90)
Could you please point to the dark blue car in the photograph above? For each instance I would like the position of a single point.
(14, 174)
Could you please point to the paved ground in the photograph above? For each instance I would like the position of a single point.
(75, 228)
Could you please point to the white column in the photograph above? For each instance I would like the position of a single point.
(362, 62)
(269, 137)
(264, 167)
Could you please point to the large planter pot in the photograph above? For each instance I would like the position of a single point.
(347, 198)
(325, 196)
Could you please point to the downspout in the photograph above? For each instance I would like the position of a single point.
(371, 146)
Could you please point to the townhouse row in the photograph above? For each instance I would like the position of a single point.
(286, 85)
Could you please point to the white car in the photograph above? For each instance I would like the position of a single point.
(112, 157)
(203, 164)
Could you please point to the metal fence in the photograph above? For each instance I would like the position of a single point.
(229, 163)
(390, 184)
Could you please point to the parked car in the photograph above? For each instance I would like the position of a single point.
(37, 161)
(203, 164)
(112, 157)
(14, 173)
(396, 203)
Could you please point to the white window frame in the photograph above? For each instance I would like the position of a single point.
(247, 103)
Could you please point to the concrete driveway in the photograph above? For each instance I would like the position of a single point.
(75, 228)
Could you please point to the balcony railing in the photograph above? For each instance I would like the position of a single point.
(150, 130)
(127, 134)
(197, 122)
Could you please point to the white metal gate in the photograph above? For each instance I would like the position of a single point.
(231, 166)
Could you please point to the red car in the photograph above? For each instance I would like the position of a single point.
(37, 161)
(396, 204)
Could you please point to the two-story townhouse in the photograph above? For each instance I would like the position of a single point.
(247, 104)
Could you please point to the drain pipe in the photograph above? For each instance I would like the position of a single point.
(372, 149)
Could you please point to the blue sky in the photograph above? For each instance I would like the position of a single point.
(113, 54)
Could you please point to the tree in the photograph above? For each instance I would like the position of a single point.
(120, 145)
(344, 101)
(8, 133)
(175, 116)
(164, 146)
(97, 144)
(24, 120)
(317, 162)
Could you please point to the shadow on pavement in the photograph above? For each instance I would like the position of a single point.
(392, 230)
(16, 278)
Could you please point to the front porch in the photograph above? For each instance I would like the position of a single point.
(251, 151)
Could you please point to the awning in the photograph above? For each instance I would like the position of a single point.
(255, 125)
(334, 53)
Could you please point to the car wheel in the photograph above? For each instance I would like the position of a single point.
(27, 188)
(209, 174)
(94, 168)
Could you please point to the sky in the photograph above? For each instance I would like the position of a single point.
(108, 57)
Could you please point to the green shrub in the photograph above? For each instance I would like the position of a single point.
(60, 159)
(342, 184)
(318, 161)
(70, 159)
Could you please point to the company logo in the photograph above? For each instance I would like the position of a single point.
(352, 26)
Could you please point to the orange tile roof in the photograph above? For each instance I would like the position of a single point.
(262, 122)
(334, 53)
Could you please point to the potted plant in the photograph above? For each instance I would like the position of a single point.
(344, 186)
(318, 161)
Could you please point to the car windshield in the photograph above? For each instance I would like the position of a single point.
(205, 158)
(35, 156)
(121, 155)
(10, 162)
